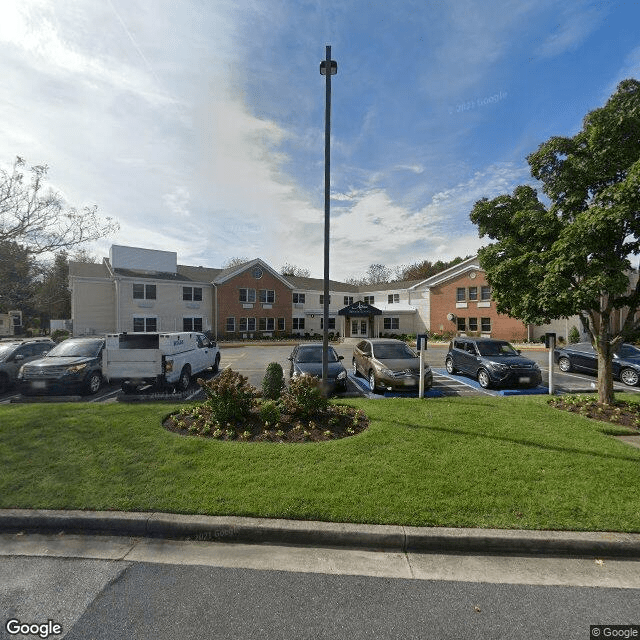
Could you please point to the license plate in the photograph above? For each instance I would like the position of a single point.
(39, 384)
(525, 380)
(409, 383)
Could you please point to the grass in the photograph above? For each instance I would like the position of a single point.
(459, 462)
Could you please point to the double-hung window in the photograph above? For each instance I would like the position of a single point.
(247, 295)
(144, 291)
(298, 298)
(267, 296)
(391, 323)
(393, 298)
(192, 293)
(192, 324)
(145, 324)
(369, 299)
(485, 293)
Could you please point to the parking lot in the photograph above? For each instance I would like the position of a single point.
(252, 361)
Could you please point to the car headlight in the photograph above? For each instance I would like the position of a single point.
(499, 367)
(386, 372)
(21, 371)
(168, 366)
(342, 375)
(76, 368)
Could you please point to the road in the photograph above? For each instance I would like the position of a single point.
(114, 588)
(252, 362)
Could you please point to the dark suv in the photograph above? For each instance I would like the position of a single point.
(492, 362)
(15, 352)
(75, 365)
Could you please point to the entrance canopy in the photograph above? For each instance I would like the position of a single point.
(359, 310)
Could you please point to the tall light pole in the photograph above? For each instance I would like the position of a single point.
(328, 68)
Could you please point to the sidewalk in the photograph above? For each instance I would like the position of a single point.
(322, 534)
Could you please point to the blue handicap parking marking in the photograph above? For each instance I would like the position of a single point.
(472, 382)
(363, 385)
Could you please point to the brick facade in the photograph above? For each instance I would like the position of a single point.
(229, 304)
(445, 299)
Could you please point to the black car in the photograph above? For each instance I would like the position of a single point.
(492, 362)
(74, 365)
(306, 359)
(16, 352)
(583, 357)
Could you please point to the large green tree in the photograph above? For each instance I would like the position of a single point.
(571, 253)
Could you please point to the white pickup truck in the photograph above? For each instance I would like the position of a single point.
(160, 359)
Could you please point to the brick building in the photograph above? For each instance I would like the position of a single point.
(137, 289)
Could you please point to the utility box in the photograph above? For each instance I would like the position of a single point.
(549, 340)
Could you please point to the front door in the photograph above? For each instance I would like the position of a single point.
(360, 328)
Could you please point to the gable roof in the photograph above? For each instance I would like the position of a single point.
(232, 272)
(470, 264)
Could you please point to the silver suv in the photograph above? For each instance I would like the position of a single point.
(15, 352)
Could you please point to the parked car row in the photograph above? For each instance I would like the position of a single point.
(77, 365)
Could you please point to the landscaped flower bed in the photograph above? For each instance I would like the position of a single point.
(234, 411)
(621, 413)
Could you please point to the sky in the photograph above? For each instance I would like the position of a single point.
(199, 125)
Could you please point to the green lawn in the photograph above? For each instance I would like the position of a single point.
(461, 462)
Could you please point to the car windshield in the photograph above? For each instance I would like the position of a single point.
(392, 352)
(625, 351)
(76, 348)
(314, 354)
(496, 349)
(6, 350)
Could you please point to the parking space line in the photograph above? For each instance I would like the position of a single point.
(443, 373)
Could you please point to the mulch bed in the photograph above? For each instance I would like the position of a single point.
(335, 422)
(620, 412)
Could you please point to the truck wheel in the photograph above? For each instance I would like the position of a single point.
(216, 364)
(185, 379)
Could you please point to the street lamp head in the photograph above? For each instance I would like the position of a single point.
(333, 68)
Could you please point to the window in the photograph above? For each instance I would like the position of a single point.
(192, 324)
(461, 294)
(485, 325)
(231, 325)
(394, 298)
(247, 295)
(145, 325)
(298, 298)
(473, 324)
(473, 293)
(462, 324)
(391, 323)
(369, 299)
(281, 324)
(322, 299)
(332, 323)
(485, 293)
(247, 324)
(192, 293)
(348, 300)
(144, 291)
(267, 324)
(267, 296)
(298, 323)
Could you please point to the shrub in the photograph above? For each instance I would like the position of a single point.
(59, 335)
(270, 412)
(304, 397)
(229, 395)
(273, 382)
(574, 335)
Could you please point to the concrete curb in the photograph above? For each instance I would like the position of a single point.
(322, 534)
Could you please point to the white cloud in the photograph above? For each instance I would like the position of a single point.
(577, 22)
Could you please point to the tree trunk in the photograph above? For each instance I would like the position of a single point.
(605, 370)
